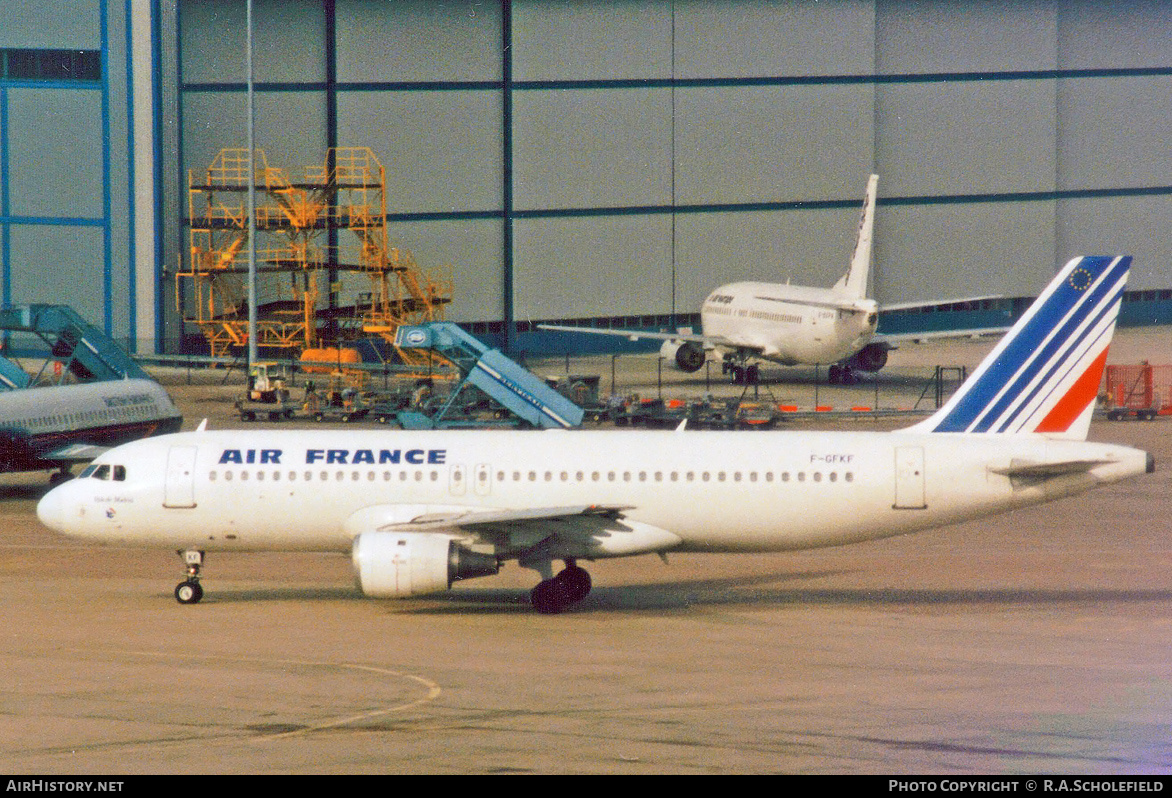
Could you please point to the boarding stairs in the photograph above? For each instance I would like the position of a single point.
(506, 382)
(84, 350)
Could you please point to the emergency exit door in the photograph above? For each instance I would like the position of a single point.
(909, 478)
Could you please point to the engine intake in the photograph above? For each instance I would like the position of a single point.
(401, 564)
(688, 355)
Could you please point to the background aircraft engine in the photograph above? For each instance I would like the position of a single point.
(871, 357)
(401, 564)
(689, 355)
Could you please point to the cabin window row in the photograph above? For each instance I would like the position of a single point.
(323, 476)
(543, 476)
(87, 416)
(677, 476)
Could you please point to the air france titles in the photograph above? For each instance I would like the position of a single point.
(338, 456)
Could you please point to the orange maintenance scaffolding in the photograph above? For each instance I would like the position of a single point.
(326, 273)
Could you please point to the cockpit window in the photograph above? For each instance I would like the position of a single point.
(104, 472)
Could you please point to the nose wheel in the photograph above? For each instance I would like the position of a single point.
(189, 591)
(551, 596)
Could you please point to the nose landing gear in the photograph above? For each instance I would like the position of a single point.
(189, 591)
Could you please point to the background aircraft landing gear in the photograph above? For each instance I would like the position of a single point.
(190, 591)
(742, 373)
(551, 596)
(844, 375)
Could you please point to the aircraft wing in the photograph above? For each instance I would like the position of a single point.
(73, 453)
(593, 530)
(514, 527)
(894, 339)
(842, 307)
(937, 303)
(635, 335)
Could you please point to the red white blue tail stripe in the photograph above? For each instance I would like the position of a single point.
(1044, 374)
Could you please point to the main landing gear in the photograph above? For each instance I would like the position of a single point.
(551, 596)
(742, 373)
(189, 591)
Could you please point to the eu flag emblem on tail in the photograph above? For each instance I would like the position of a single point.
(1043, 376)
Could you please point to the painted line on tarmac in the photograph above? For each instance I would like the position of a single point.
(433, 692)
(433, 689)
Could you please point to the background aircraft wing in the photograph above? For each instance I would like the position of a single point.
(929, 309)
(968, 300)
(895, 339)
(73, 453)
(707, 341)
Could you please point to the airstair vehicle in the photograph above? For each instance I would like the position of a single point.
(84, 350)
(506, 382)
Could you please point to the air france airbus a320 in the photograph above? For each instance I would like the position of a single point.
(418, 510)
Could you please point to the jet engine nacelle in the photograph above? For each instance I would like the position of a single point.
(401, 564)
(871, 357)
(688, 355)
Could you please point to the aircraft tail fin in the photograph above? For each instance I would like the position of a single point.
(1044, 375)
(854, 282)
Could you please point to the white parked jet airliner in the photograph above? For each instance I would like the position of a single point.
(418, 510)
(783, 323)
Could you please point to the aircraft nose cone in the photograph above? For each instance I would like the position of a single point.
(51, 510)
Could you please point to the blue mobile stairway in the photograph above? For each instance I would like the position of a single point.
(87, 352)
(509, 384)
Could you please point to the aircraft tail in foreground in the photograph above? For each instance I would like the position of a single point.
(1044, 375)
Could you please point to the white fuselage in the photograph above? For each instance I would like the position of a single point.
(790, 324)
(705, 491)
(42, 420)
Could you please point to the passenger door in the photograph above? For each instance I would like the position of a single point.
(179, 489)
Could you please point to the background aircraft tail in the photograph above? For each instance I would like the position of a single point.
(1044, 375)
(854, 283)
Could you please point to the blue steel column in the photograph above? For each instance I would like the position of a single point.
(157, 169)
(331, 100)
(5, 246)
(107, 242)
(131, 209)
(507, 172)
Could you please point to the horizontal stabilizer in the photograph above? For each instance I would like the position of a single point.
(1030, 474)
(1041, 470)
